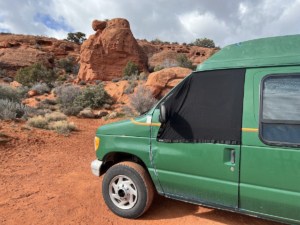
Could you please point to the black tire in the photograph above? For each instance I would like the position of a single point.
(141, 183)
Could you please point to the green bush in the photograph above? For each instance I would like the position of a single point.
(66, 96)
(183, 61)
(204, 42)
(11, 110)
(41, 88)
(68, 64)
(130, 69)
(10, 93)
(35, 73)
(93, 96)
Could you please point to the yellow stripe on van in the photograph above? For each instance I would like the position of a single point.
(250, 129)
(144, 124)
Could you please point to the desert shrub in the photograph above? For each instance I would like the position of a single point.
(143, 76)
(204, 42)
(47, 105)
(66, 96)
(92, 96)
(130, 69)
(97, 82)
(41, 88)
(55, 116)
(2, 73)
(68, 64)
(8, 92)
(115, 80)
(157, 41)
(53, 121)
(128, 111)
(158, 68)
(48, 101)
(62, 78)
(82, 83)
(62, 127)
(130, 88)
(35, 73)
(183, 61)
(167, 63)
(11, 110)
(142, 100)
(38, 122)
(8, 79)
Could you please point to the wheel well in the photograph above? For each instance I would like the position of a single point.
(116, 157)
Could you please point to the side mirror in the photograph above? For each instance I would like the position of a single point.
(163, 113)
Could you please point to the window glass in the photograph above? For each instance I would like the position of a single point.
(281, 98)
(280, 116)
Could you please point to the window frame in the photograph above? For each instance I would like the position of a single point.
(268, 121)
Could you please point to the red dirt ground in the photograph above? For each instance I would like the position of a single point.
(46, 179)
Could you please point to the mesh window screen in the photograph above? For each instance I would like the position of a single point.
(206, 108)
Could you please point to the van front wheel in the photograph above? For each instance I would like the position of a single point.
(127, 189)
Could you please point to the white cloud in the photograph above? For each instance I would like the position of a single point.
(204, 25)
(225, 22)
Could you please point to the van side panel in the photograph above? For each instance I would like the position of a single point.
(196, 172)
(269, 175)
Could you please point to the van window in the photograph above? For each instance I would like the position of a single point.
(280, 109)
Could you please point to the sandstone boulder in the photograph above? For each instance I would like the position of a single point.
(161, 82)
(105, 54)
(98, 25)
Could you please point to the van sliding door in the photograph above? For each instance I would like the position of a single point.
(270, 155)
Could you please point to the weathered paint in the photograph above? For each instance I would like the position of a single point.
(269, 182)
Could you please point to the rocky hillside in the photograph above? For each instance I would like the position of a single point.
(102, 57)
(17, 51)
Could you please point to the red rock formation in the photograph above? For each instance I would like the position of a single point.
(105, 54)
(18, 51)
(163, 54)
(161, 82)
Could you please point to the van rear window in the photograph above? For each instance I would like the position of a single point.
(280, 110)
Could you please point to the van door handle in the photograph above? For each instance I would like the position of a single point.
(232, 156)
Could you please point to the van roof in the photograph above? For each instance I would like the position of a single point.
(272, 51)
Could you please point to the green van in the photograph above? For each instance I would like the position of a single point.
(227, 137)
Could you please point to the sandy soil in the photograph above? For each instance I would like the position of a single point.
(46, 179)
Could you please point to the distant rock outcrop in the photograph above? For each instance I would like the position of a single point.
(17, 51)
(161, 82)
(105, 54)
(165, 54)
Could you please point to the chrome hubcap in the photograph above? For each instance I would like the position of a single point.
(123, 192)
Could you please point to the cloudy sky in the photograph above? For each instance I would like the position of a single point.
(225, 22)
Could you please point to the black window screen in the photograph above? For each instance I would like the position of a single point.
(280, 109)
(206, 107)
